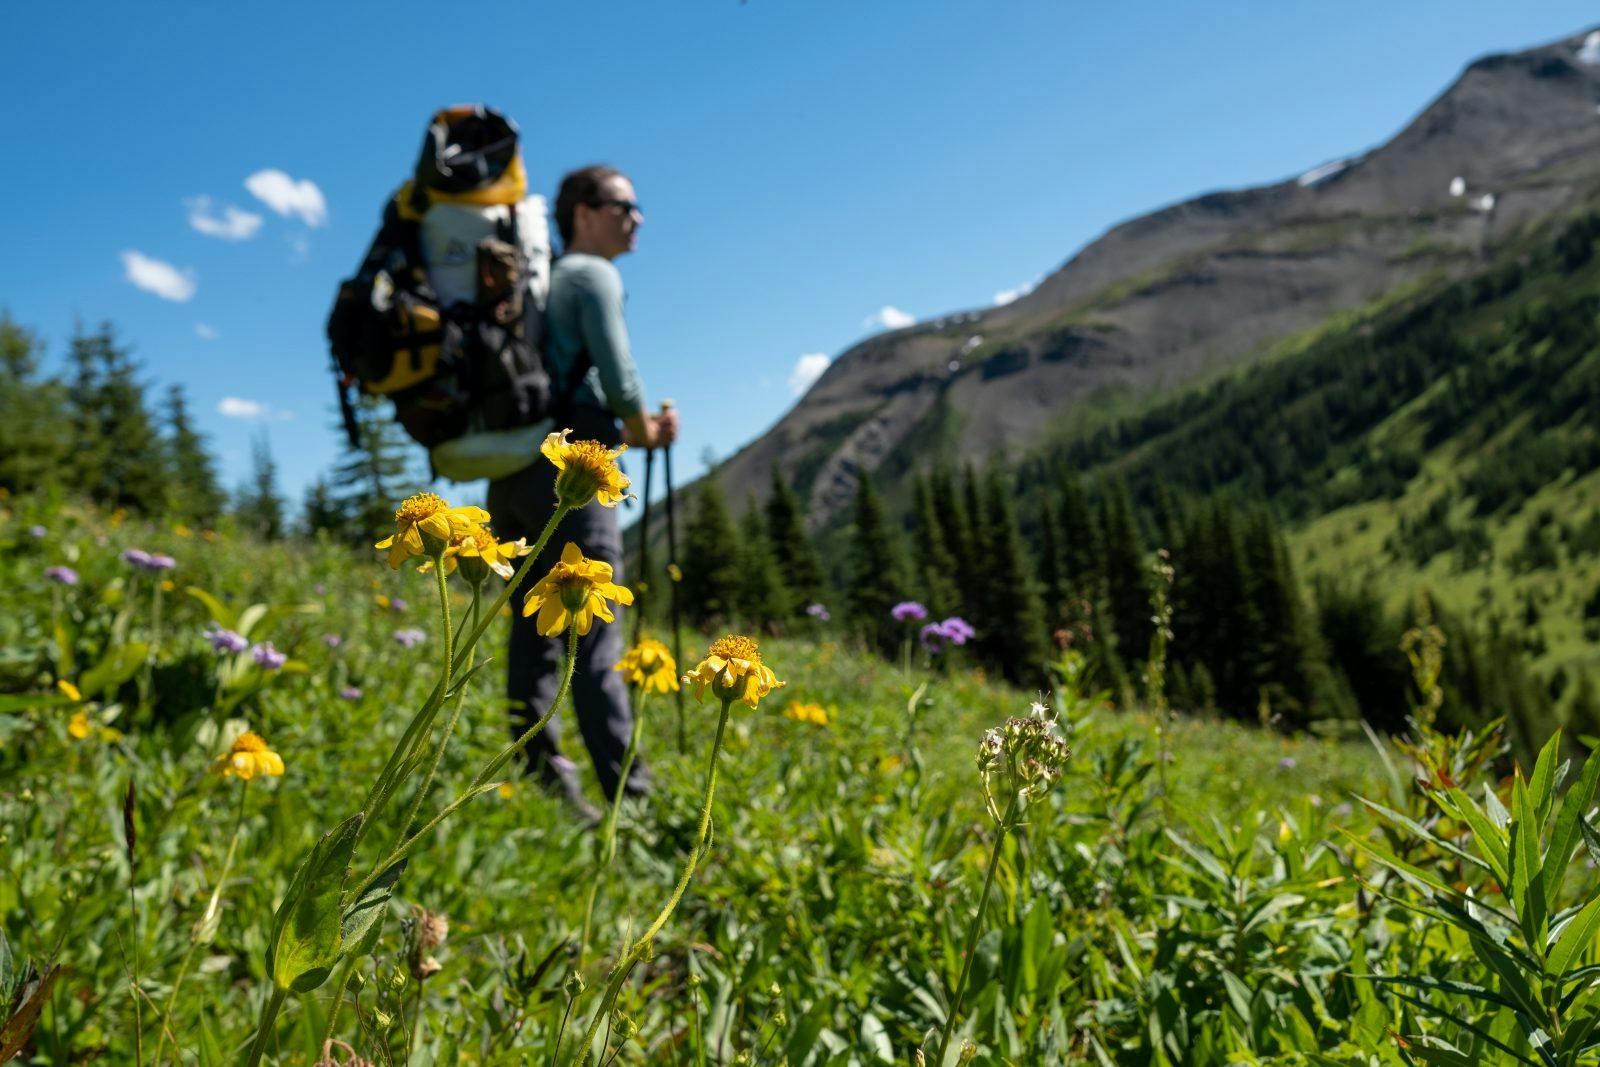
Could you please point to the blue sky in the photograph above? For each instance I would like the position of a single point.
(803, 166)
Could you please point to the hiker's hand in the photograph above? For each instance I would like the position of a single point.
(650, 431)
(666, 427)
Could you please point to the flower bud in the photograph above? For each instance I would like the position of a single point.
(574, 984)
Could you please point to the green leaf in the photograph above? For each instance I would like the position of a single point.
(221, 614)
(1491, 840)
(1445, 985)
(249, 617)
(363, 920)
(1421, 831)
(1526, 890)
(1239, 995)
(306, 931)
(1564, 839)
(1410, 872)
(120, 663)
(1575, 938)
(1542, 785)
(875, 1038)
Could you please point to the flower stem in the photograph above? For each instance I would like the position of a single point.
(973, 929)
(491, 768)
(269, 1015)
(608, 831)
(635, 953)
(205, 918)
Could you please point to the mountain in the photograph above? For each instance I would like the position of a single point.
(1196, 291)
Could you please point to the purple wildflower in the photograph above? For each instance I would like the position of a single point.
(332, 640)
(228, 641)
(398, 605)
(37, 532)
(958, 630)
(159, 562)
(409, 637)
(64, 575)
(933, 637)
(136, 557)
(268, 657)
(350, 692)
(908, 611)
(1287, 763)
(818, 612)
(319, 589)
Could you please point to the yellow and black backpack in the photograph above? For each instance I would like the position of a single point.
(475, 364)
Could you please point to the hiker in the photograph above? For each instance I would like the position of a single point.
(598, 219)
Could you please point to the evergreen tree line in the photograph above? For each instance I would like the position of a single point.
(1249, 642)
(94, 431)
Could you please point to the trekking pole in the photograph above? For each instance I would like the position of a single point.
(673, 573)
(642, 582)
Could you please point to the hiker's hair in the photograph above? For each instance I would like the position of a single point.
(581, 186)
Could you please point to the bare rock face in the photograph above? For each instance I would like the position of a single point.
(1200, 287)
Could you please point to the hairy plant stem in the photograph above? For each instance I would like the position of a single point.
(561, 1034)
(269, 1015)
(205, 917)
(636, 952)
(607, 848)
(973, 930)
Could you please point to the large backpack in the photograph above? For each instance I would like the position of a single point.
(474, 366)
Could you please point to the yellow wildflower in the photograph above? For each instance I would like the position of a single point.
(588, 469)
(812, 713)
(477, 552)
(648, 665)
(576, 589)
(506, 790)
(249, 756)
(69, 689)
(734, 671)
(424, 525)
(79, 726)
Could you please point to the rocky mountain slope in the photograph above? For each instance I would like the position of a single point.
(1204, 286)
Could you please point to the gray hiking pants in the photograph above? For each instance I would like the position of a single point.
(520, 505)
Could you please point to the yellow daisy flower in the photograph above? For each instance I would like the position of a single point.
(249, 756)
(588, 469)
(576, 590)
(69, 689)
(79, 726)
(734, 671)
(477, 552)
(424, 526)
(812, 713)
(648, 665)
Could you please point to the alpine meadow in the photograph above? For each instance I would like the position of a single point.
(1191, 659)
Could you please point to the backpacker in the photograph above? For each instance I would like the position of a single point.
(445, 315)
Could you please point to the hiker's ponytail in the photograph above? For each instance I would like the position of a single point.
(581, 186)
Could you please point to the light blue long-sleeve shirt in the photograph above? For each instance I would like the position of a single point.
(584, 312)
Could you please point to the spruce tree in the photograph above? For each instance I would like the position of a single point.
(1290, 650)
(119, 456)
(195, 494)
(876, 584)
(1583, 711)
(259, 508)
(1011, 625)
(373, 475)
(763, 599)
(321, 513)
(1052, 579)
(35, 432)
(1127, 576)
(708, 594)
(936, 565)
(1080, 552)
(955, 528)
(795, 555)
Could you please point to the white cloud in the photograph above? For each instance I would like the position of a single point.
(807, 369)
(235, 407)
(204, 332)
(158, 277)
(288, 197)
(888, 317)
(299, 248)
(233, 224)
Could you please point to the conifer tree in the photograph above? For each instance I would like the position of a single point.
(35, 434)
(792, 549)
(1011, 624)
(195, 493)
(1583, 709)
(956, 528)
(936, 565)
(1052, 579)
(1127, 575)
(1080, 554)
(876, 584)
(259, 508)
(321, 513)
(373, 475)
(119, 456)
(709, 591)
(1289, 650)
(763, 599)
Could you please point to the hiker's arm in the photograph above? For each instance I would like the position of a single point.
(605, 337)
(644, 430)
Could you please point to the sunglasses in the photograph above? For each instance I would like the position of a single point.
(627, 207)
